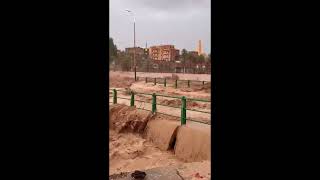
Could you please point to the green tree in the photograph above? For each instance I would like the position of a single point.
(193, 58)
(112, 50)
(184, 54)
(208, 64)
(124, 60)
(201, 58)
(209, 57)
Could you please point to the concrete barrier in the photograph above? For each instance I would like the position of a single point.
(193, 144)
(162, 132)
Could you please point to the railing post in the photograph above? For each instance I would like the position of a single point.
(183, 110)
(155, 81)
(146, 80)
(176, 84)
(154, 103)
(165, 82)
(188, 83)
(202, 83)
(114, 96)
(132, 99)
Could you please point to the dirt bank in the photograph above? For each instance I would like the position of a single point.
(128, 119)
(118, 81)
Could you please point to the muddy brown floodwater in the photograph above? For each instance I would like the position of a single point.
(129, 152)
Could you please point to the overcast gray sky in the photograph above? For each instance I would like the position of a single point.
(178, 22)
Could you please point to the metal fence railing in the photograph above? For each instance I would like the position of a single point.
(154, 104)
(165, 81)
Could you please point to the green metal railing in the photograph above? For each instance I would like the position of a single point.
(184, 100)
(176, 81)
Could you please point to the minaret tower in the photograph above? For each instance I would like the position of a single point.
(199, 48)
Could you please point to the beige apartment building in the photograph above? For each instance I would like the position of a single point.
(163, 53)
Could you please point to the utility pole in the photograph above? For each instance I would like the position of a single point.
(134, 45)
(134, 51)
(147, 56)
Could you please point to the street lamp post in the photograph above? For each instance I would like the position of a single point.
(134, 45)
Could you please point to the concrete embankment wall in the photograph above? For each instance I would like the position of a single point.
(189, 143)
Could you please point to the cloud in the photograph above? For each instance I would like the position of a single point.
(163, 4)
(178, 22)
(170, 5)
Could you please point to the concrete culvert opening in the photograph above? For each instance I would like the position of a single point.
(173, 141)
(162, 131)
